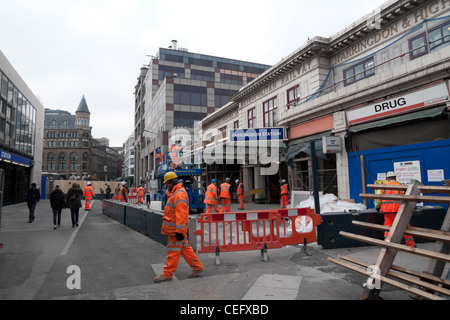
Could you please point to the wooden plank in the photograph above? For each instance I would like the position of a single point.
(402, 276)
(431, 234)
(396, 246)
(407, 198)
(437, 267)
(394, 283)
(423, 189)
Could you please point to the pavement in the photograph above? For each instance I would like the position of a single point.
(102, 259)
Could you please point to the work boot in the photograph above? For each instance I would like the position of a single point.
(161, 278)
(195, 273)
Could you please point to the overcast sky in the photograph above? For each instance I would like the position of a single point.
(64, 49)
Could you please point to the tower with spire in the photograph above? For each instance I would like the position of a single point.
(82, 115)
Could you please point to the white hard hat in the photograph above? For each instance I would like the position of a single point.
(88, 183)
(237, 180)
(124, 183)
(391, 174)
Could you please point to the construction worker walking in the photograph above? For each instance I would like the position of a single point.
(140, 194)
(225, 196)
(88, 195)
(175, 225)
(284, 194)
(123, 192)
(211, 197)
(240, 194)
(390, 207)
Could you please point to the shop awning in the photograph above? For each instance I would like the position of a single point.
(428, 113)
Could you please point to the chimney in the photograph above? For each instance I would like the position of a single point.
(174, 44)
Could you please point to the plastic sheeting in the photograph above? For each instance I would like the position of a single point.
(330, 203)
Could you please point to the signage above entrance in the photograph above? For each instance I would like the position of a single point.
(256, 134)
(400, 104)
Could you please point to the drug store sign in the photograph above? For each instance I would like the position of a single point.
(400, 104)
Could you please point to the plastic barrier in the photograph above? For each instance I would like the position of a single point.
(131, 199)
(256, 230)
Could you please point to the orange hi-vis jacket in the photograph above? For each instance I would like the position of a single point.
(390, 206)
(176, 212)
(284, 189)
(123, 197)
(141, 192)
(89, 193)
(211, 195)
(225, 191)
(240, 190)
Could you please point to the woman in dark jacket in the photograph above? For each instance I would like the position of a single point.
(57, 202)
(74, 202)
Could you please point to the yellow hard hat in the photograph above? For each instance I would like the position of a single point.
(169, 176)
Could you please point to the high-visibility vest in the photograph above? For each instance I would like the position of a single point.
(284, 189)
(390, 206)
(225, 191)
(123, 197)
(240, 190)
(176, 212)
(211, 195)
(141, 192)
(89, 193)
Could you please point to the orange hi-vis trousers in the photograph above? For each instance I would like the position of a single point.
(388, 221)
(88, 204)
(284, 201)
(210, 206)
(175, 249)
(226, 205)
(241, 201)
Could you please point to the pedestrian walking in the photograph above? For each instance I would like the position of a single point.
(57, 202)
(389, 208)
(175, 225)
(33, 196)
(88, 195)
(148, 196)
(225, 196)
(140, 194)
(74, 202)
(108, 191)
(211, 197)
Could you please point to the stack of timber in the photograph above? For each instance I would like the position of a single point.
(424, 285)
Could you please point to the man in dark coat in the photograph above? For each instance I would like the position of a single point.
(74, 202)
(33, 196)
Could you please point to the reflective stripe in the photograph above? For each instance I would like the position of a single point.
(173, 249)
(181, 226)
(169, 224)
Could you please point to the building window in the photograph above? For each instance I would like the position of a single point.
(169, 71)
(187, 119)
(359, 71)
(232, 79)
(50, 162)
(190, 95)
(293, 96)
(270, 110)
(62, 162)
(74, 144)
(73, 161)
(222, 97)
(236, 124)
(439, 36)
(222, 129)
(203, 75)
(418, 46)
(62, 144)
(251, 116)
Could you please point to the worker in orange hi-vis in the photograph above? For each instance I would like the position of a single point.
(123, 193)
(225, 196)
(175, 225)
(140, 194)
(284, 194)
(211, 197)
(390, 207)
(240, 194)
(88, 195)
